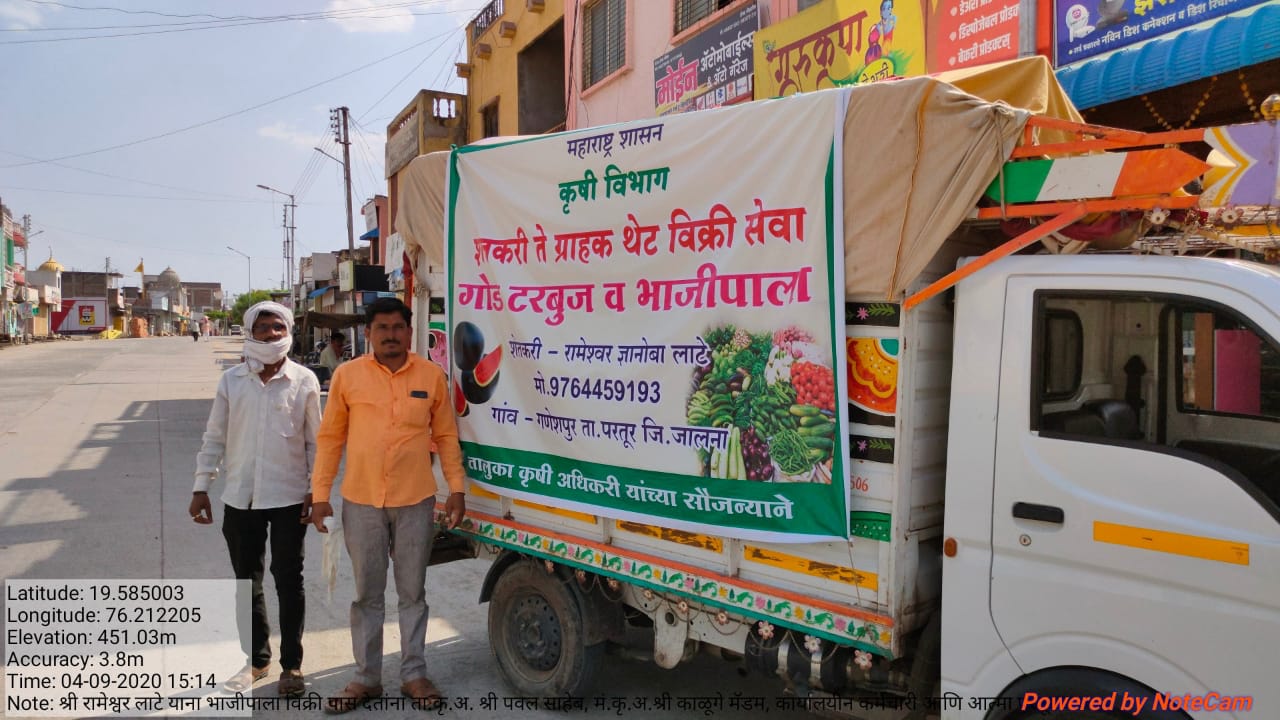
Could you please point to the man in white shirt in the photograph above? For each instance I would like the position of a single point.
(331, 356)
(262, 430)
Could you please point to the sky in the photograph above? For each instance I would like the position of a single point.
(243, 100)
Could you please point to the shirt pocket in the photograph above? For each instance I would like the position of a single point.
(286, 415)
(417, 412)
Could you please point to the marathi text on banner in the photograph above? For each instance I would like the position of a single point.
(633, 339)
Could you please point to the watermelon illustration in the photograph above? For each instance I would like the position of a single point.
(468, 345)
(459, 400)
(486, 372)
(473, 391)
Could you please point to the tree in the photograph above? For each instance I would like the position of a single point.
(245, 301)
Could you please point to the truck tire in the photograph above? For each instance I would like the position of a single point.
(537, 633)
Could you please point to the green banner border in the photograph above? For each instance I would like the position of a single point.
(812, 513)
(820, 509)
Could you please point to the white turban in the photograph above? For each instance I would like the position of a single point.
(274, 308)
(260, 354)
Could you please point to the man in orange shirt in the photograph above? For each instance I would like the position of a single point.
(385, 410)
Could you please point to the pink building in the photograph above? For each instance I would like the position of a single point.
(614, 45)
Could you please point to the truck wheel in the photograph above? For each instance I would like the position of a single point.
(537, 633)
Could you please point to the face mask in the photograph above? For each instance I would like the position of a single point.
(260, 354)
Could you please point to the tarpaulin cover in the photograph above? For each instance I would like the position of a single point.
(918, 154)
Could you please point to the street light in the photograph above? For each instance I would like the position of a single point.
(346, 174)
(246, 257)
(291, 214)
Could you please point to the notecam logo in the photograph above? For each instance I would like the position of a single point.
(1135, 704)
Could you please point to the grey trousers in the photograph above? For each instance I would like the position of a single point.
(371, 534)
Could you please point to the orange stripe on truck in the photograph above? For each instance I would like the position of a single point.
(1195, 546)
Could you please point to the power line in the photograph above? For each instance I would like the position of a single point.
(367, 152)
(231, 114)
(399, 82)
(134, 180)
(312, 171)
(129, 243)
(132, 12)
(354, 13)
(125, 195)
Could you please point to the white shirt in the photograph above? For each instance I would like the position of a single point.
(263, 435)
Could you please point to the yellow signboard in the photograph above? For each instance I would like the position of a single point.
(840, 42)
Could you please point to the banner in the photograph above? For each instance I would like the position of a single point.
(642, 319)
(964, 33)
(840, 43)
(709, 69)
(1084, 28)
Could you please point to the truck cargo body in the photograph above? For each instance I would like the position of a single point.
(1063, 480)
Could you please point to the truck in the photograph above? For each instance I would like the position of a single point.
(822, 384)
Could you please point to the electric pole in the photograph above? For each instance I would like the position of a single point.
(339, 121)
(29, 324)
(106, 291)
(26, 233)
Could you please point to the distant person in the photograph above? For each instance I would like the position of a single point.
(262, 429)
(331, 356)
(195, 334)
(385, 410)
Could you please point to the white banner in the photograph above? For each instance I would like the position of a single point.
(643, 319)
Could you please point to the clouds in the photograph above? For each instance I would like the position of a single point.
(367, 16)
(283, 131)
(19, 15)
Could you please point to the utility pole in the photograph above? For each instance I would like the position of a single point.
(26, 234)
(289, 223)
(289, 233)
(29, 324)
(106, 293)
(338, 120)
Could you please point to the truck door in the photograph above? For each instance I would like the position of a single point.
(1150, 549)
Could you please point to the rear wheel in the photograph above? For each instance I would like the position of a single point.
(537, 633)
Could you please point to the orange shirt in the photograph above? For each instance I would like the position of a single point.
(386, 422)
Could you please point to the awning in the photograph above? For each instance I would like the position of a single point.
(372, 234)
(319, 291)
(1227, 44)
(331, 321)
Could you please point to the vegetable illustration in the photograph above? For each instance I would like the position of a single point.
(486, 372)
(774, 394)
(477, 375)
(459, 401)
(468, 345)
(473, 391)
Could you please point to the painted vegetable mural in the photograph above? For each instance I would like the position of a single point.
(776, 395)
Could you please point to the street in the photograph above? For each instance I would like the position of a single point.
(97, 449)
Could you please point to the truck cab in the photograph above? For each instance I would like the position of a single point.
(1113, 484)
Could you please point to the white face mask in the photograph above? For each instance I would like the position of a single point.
(260, 354)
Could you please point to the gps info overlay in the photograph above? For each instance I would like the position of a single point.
(123, 647)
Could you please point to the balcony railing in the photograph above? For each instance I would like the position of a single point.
(487, 17)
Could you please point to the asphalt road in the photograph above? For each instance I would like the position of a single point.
(97, 448)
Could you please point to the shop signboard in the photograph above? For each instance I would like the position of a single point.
(710, 69)
(346, 275)
(964, 33)
(1085, 28)
(84, 315)
(839, 43)
(402, 143)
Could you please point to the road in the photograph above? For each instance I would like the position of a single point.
(97, 447)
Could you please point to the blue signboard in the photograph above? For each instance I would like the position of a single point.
(1084, 28)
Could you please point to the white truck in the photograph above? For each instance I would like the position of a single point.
(1060, 473)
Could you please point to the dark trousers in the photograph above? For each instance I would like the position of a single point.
(246, 532)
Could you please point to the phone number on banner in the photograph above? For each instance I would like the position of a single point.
(610, 390)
